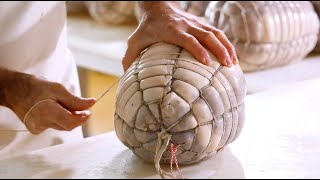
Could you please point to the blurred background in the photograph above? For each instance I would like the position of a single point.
(98, 33)
(98, 42)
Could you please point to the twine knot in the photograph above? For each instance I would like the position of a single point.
(162, 144)
(163, 134)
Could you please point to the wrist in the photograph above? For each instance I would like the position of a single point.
(11, 83)
(149, 7)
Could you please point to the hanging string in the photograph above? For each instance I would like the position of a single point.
(173, 149)
(3, 130)
(162, 144)
(108, 89)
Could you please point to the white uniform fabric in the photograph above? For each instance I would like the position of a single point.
(33, 40)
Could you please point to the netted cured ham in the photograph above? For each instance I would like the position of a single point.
(167, 96)
(266, 34)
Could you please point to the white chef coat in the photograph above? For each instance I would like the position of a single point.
(33, 40)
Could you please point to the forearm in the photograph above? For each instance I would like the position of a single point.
(5, 76)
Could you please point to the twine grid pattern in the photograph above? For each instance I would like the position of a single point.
(130, 88)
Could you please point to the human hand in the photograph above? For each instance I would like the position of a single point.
(62, 110)
(166, 22)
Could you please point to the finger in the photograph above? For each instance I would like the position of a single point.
(192, 45)
(208, 39)
(225, 41)
(33, 127)
(46, 114)
(67, 120)
(130, 56)
(56, 127)
(71, 102)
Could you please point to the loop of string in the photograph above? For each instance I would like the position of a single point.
(25, 116)
(29, 111)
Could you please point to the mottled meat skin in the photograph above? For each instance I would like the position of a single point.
(316, 5)
(166, 89)
(266, 34)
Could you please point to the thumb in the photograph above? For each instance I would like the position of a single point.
(129, 57)
(72, 102)
(135, 47)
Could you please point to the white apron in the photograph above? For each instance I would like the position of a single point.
(33, 40)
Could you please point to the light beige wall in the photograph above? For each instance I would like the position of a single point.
(93, 84)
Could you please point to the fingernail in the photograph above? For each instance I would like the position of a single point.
(235, 60)
(86, 113)
(228, 62)
(88, 99)
(83, 113)
(209, 62)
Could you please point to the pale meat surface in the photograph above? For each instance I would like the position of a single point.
(266, 34)
(166, 89)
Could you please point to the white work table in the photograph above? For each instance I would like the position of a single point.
(308, 68)
(280, 139)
